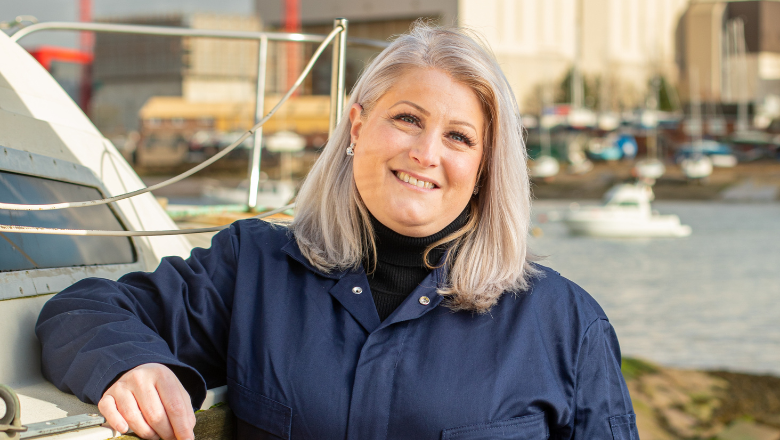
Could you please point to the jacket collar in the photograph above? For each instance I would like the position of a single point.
(292, 249)
(361, 306)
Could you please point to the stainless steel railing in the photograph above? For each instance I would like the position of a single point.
(338, 67)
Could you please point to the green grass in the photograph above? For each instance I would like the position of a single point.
(633, 368)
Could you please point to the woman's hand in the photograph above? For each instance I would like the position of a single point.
(150, 400)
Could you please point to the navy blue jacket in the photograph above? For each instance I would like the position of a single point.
(305, 355)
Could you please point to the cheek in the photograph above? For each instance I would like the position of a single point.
(367, 171)
(462, 174)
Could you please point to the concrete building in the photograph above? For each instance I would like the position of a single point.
(130, 69)
(623, 42)
(730, 50)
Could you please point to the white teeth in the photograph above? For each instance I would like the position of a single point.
(411, 180)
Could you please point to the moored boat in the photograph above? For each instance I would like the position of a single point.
(53, 157)
(626, 213)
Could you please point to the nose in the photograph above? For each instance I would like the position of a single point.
(426, 152)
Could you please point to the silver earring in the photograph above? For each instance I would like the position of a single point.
(351, 149)
(476, 189)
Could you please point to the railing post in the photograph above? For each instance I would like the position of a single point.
(338, 74)
(254, 170)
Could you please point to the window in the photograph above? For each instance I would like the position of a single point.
(37, 251)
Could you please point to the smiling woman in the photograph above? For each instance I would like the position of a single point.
(435, 106)
(418, 152)
(367, 316)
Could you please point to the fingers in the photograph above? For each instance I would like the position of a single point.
(151, 401)
(107, 407)
(154, 414)
(129, 408)
(178, 407)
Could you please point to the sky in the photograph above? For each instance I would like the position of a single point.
(67, 10)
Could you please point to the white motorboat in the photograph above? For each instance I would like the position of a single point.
(626, 213)
(51, 153)
(270, 193)
(649, 170)
(578, 162)
(544, 167)
(696, 167)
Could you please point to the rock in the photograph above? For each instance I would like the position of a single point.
(215, 423)
(682, 424)
(745, 430)
(647, 423)
(662, 392)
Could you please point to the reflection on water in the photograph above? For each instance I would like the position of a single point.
(711, 300)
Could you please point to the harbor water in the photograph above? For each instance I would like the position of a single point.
(708, 301)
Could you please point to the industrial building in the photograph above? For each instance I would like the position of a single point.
(130, 69)
(730, 51)
(623, 43)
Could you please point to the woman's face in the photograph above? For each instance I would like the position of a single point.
(418, 152)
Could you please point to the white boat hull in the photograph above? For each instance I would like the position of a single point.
(270, 194)
(544, 167)
(696, 168)
(599, 224)
(626, 213)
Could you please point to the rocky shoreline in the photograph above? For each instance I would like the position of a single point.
(687, 404)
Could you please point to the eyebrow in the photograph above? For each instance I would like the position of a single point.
(427, 113)
(422, 110)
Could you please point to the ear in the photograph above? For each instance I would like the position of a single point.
(356, 120)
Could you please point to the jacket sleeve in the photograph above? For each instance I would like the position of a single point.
(603, 407)
(178, 315)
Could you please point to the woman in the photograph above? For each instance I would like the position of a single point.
(400, 303)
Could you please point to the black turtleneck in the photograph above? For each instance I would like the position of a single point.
(400, 267)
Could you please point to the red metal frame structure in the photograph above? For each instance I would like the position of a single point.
(86, 44)
(48, 54)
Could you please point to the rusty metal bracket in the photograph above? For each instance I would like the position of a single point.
(11, 423)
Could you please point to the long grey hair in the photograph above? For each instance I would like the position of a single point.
(489, 255)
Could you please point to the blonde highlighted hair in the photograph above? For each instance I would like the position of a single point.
(489, 255)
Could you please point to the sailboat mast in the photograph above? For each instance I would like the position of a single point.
(655, 97)
(740, 50)
(576, 76)
(543, 127)
(696, 122)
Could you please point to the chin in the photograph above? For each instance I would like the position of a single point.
(414, 217)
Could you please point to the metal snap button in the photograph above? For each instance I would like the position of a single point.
(424, 300)
(357, 290)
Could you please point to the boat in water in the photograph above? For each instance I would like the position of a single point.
(270, 193)
(697, 167)
(544, 167)
(626, 213)
(649, 170)
(50, 152)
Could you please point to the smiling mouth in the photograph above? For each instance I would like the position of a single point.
(413, 181)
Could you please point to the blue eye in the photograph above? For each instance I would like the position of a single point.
(407, 118)
(462, 138)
